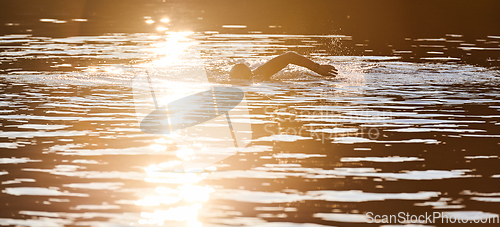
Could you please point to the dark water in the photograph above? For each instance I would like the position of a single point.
(419, 31)
(392, 134)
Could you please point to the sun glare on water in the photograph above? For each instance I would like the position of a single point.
(183, 201)
(178, 196)
(170, 50)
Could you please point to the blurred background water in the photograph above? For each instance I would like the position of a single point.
(410, 125)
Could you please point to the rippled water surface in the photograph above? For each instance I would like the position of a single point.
(386, 136)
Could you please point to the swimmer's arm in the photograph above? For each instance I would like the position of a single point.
(278, 63)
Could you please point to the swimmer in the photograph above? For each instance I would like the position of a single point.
(265, 71)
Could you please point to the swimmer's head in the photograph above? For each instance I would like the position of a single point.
(241, 72)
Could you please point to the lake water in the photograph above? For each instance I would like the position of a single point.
(386, 136)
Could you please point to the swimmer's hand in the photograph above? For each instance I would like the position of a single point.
(326, 70)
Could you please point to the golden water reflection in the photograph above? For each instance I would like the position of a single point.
(179, 196)
(168, 51)
(288, 174)
(180, 203)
